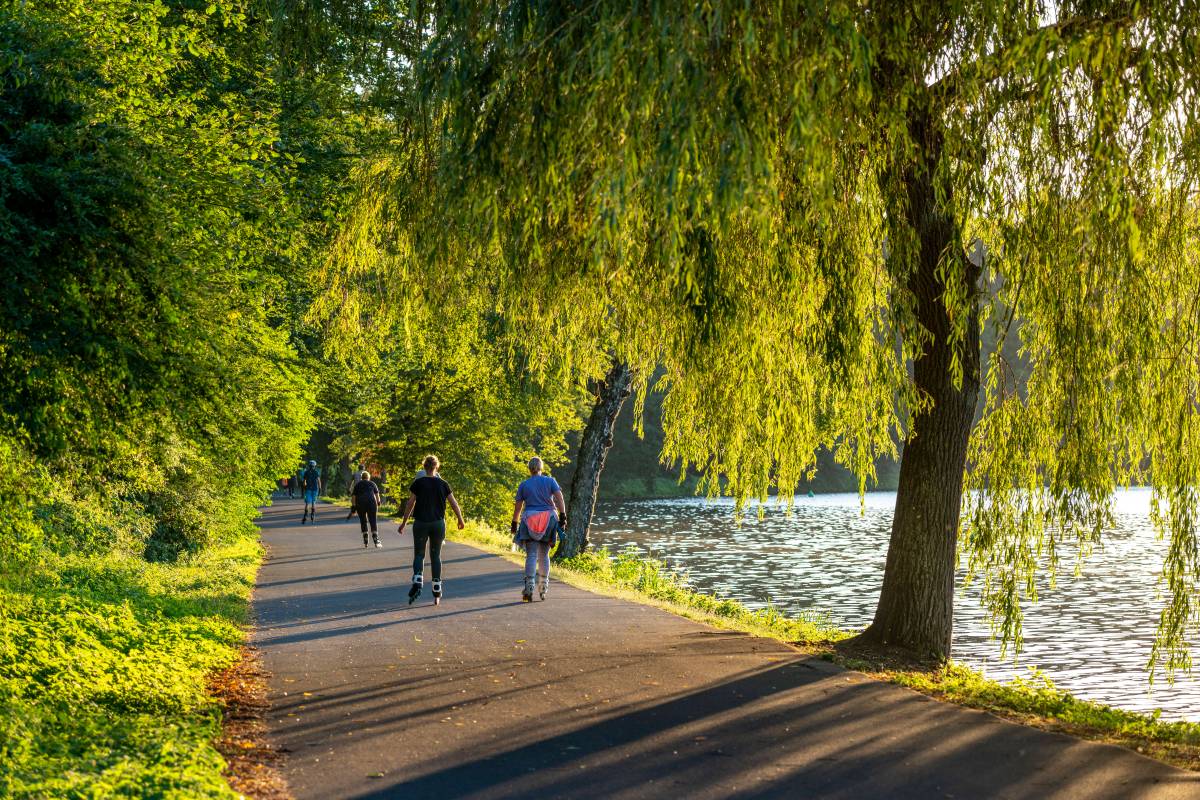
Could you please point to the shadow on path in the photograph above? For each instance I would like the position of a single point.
(584, 696)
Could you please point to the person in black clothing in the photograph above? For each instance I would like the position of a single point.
(426, 504)
(366, 503)
(291, 485)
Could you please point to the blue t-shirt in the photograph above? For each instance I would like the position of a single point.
(537, 491)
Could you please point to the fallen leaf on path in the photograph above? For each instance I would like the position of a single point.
(375, 775)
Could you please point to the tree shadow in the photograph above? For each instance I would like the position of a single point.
(753, 737)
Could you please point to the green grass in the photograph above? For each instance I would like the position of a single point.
(1035, 701)
(103, 669)
(633, 576)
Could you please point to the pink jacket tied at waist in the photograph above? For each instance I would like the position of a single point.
(538, 523)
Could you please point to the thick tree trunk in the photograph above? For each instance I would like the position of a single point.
(916, 603)
(589, 461)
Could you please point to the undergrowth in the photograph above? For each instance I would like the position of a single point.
(103, 661)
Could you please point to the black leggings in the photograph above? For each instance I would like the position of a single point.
(365, 514)
(433, 533)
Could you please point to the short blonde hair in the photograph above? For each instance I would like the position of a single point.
(366, 476)
(431, 464)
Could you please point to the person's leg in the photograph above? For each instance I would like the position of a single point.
(543, 568)
(531, 553)
(420, 534)
(437, 535)
(373, 518)
(420, 538)
(531, 550)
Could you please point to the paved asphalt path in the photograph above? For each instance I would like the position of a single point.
(584, 696)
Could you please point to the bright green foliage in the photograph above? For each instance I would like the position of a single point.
(148, 397)
(447, 388)
(142, 198)
(758, 195)
(103, 661)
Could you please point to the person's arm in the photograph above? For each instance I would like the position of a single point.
(560, 505)
(408, 507)
(457, 511)
(516, 520)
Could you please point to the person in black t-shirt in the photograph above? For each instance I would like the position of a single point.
(366, 503)
(426, 504)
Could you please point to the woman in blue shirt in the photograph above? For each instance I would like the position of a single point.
(539, 513)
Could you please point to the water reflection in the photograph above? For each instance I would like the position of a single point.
(1091, 634)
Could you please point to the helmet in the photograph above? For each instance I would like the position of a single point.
(312, 463)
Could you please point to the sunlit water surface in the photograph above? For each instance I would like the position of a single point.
(1091, 634)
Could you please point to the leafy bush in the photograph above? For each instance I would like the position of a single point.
(103, 661)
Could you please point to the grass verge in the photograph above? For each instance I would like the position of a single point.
(104, 662)
(632, 576)
(1035, 701)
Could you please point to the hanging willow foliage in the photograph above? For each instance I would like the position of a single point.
(789, 203)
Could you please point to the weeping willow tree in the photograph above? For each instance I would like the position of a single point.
(809, 213)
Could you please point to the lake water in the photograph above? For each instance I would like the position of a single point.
(1090, 635)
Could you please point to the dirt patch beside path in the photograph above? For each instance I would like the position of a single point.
(253, 763)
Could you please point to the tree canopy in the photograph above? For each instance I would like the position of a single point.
(143, 203)
(809, 213)
(803, 218)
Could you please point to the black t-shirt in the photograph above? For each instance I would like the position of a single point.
(364, 494)
(431, 493)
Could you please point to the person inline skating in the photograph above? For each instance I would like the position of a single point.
(366, 504)
(312, 490)
(539, 514)
(427, 498)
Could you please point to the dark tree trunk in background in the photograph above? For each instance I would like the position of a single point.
(589, 461)
(916, 603)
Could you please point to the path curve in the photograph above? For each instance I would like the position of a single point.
(585, 696)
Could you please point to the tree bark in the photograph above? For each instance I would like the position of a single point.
(589, 461)
(916, 603)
